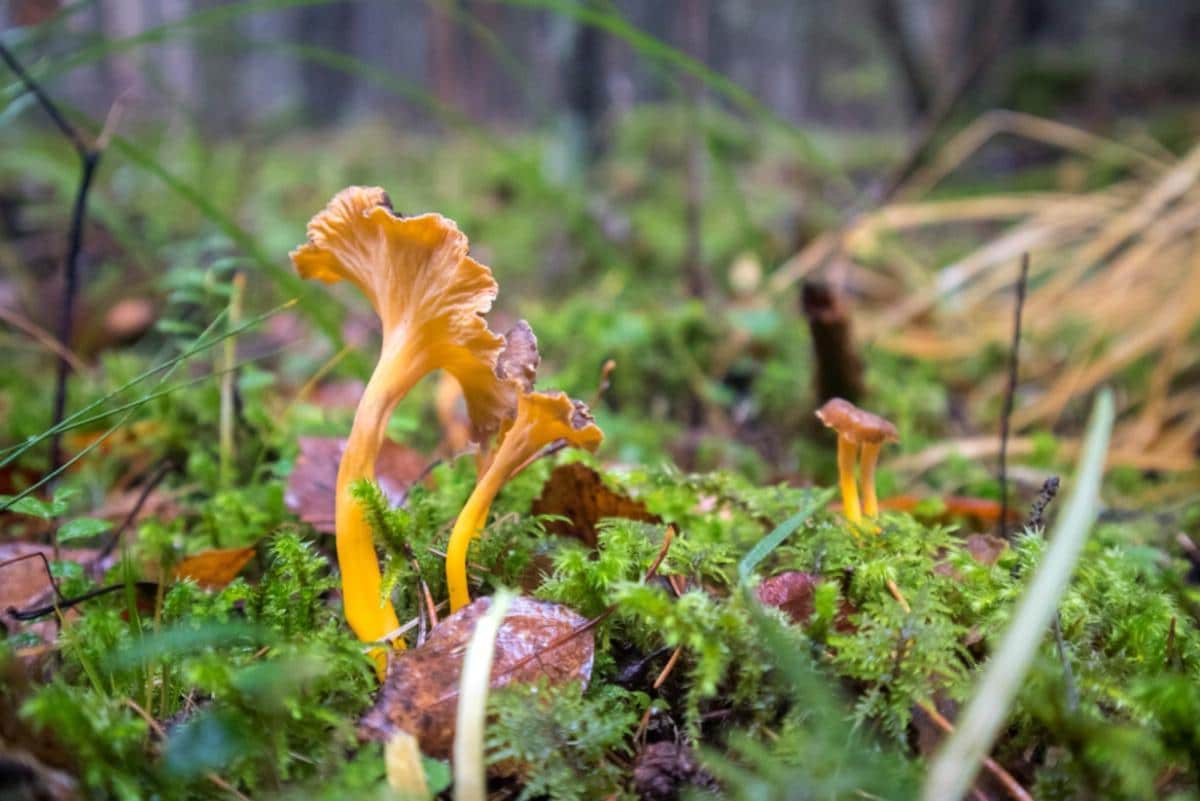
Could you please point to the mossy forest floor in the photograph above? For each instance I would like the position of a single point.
(220, 665)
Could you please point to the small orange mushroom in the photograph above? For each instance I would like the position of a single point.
(857, 428)
(430, 297)
(542, 418)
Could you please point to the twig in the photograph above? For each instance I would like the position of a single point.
(161, 733)
(148, 488)
(1000, 774)
(666, 671)
(899, 596)
(89, 159)
(1010, 393)
(67, 603)
(43, 337)
(49, 576)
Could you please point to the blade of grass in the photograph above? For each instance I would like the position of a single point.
(470, 777)
(199, 345)
(812, 503)
(955, 765)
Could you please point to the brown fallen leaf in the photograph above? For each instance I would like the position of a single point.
(986, 548)
(420, 695)
(310, 489)
(24, 584)
(578, 493)
(214, 568)
(792, 592)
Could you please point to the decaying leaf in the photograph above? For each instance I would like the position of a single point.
(792, 592)
(578, 493)
(986, 548)
(310, 489)
(420, 695)
(24, 584)
(214, 568)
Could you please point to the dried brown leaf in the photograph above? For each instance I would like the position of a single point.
(310, 490)
(420, 695)
(578, 493)
(215, 568)
(792, 592)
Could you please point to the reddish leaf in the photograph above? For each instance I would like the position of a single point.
(986, 548)
(25, 584)
(215, 568)
(792, 592)
(420, 695)
(578, 493)
(310, 490)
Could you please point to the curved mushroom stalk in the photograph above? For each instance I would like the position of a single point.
(542, 418)
(430, 297)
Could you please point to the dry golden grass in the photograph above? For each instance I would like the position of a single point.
(1114, 286)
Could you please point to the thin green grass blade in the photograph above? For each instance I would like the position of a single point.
(200, 344)
(470, 775)
(815, 500)
(955, 765)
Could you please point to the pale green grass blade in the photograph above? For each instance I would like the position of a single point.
(470, 774)
(955, 765)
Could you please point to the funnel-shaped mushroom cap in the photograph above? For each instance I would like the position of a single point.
(546, 417)
(542, 418)
(854, 424)
(429, 294)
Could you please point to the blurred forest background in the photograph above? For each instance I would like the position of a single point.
(874, 65)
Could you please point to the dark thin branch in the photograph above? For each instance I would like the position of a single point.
(67, 603)
(68, 130)
(89, 159)
(1037, 521)
(889, 18)
(147, 488)
(946, 101)
(1010, 393)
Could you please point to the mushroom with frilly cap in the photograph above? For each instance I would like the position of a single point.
(430, 297)
(542, 418)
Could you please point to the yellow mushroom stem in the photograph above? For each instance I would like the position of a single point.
(370, 615)
(847, 455)
(519, 443)
(870, 456)
(467, 527)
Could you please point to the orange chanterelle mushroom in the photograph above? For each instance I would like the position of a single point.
(856, 428)
(542, 418)
(430, 297)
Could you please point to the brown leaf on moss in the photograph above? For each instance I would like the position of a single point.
(25, 584)
(310, 490)
(793, 591)
(986, 548)
(420, 695)
(215, 568)
(578, 493)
